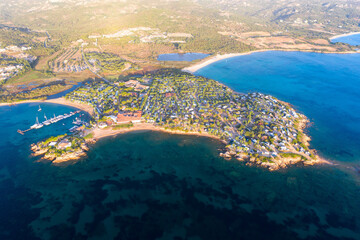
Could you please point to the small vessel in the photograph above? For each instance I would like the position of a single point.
(47, 121)
(54, 119)
(37, 125)
(77, 121)
(73, 129)
(39, 109)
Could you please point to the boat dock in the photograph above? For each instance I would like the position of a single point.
(55, 119)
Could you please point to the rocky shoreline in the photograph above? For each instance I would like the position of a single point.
(52, 154)
(256, 128)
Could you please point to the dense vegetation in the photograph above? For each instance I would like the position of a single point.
(107, 62)
(37, 93)
(25, 37)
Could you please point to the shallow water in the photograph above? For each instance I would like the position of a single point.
(325, 87)
(63, 93)
(352, 39)
(153, 185)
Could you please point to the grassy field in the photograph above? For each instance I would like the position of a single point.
(30, 76)
(77, 77)
(42, 63)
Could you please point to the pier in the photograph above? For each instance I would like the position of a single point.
(50, 121)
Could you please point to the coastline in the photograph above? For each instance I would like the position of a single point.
(61, 101)
(344, 35)
(108, 132)
(281, 163)
(213, 59)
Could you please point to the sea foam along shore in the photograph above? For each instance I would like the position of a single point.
(212, 59)
(344, 35)
(61, 101)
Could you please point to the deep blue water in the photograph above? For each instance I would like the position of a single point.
(325, 87)
(151, 185)
(352, 39)
(188, 57)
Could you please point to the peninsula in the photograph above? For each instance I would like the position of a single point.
(256, 128)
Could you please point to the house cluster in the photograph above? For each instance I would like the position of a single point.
(13, 48)
(18, 52)
(69, 61)
(9, 71)
(126, 117)
(253, 125)
(75, 67)
(166, 37)
(136, 85)
(116, 103)
(121, 118)
(147, 35)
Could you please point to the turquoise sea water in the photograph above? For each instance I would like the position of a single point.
(325, 87)
(148, 185)
(188, 57)
(151, 185)
(352, 39)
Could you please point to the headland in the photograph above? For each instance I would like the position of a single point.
(256, 128)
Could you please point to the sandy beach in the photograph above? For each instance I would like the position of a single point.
(107, 132)
(344, 35)
(212, 59)
(61, 101)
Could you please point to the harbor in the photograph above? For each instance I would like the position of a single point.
(47, 121)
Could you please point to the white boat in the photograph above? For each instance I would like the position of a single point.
(77, 121)
(39, 109)
(47, 121)
(54, 119)
(37, 125)
(73, 129)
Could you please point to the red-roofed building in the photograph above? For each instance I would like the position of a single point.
(169, 94)
(129, 117)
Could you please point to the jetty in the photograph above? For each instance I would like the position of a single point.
(47, 122)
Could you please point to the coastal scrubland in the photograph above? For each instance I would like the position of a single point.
(59, 38)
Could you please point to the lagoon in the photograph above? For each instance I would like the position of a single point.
(325, 87)
(188, 57)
